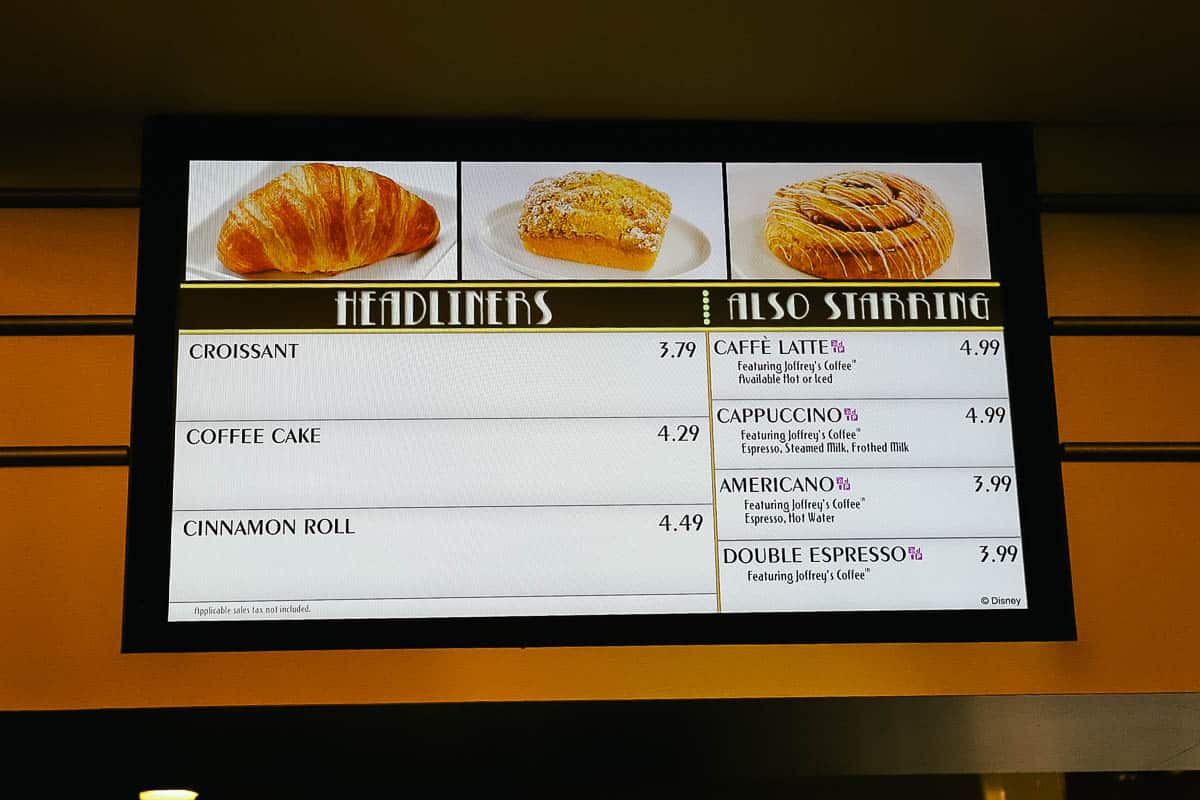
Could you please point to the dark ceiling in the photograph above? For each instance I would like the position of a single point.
(899, 60)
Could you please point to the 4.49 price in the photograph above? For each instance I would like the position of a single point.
(682, 523)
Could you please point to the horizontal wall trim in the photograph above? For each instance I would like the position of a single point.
(118, 455)
(1131, 451)
(67, 325)
(1125, 326)
(70, 198)
(65, 456)
(1119, 203)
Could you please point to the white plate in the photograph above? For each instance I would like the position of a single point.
(684, 248)
(755, 261)
(203, 264)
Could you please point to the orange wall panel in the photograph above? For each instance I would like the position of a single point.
(1132, 264)
(1127, 388)
(67, 260)
(65, 390)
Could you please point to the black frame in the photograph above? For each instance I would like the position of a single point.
(1006, 152)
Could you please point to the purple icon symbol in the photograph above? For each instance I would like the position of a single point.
(851, 414)
(837, 345)
(915, 554)
(843, 483)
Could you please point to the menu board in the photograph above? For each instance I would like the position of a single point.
(387, 396)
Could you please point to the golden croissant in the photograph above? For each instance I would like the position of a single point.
(324, 218)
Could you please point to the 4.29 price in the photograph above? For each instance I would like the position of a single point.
(679, 433)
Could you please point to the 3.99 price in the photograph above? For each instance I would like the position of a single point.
(992, 483)
(997, 554)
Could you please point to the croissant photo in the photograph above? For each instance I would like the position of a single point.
(859, 226)
(319, 218)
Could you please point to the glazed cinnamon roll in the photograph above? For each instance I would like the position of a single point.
(860, 226)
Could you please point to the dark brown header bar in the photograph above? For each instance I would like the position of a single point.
(539, 306)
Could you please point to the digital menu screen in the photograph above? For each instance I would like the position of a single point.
(517, 401)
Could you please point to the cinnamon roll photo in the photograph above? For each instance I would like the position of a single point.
(858, 222)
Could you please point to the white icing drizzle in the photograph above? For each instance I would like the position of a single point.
(869, 219)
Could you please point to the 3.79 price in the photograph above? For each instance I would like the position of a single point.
(676, 349)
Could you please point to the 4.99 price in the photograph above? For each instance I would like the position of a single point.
(980, 347)
(986, 414)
